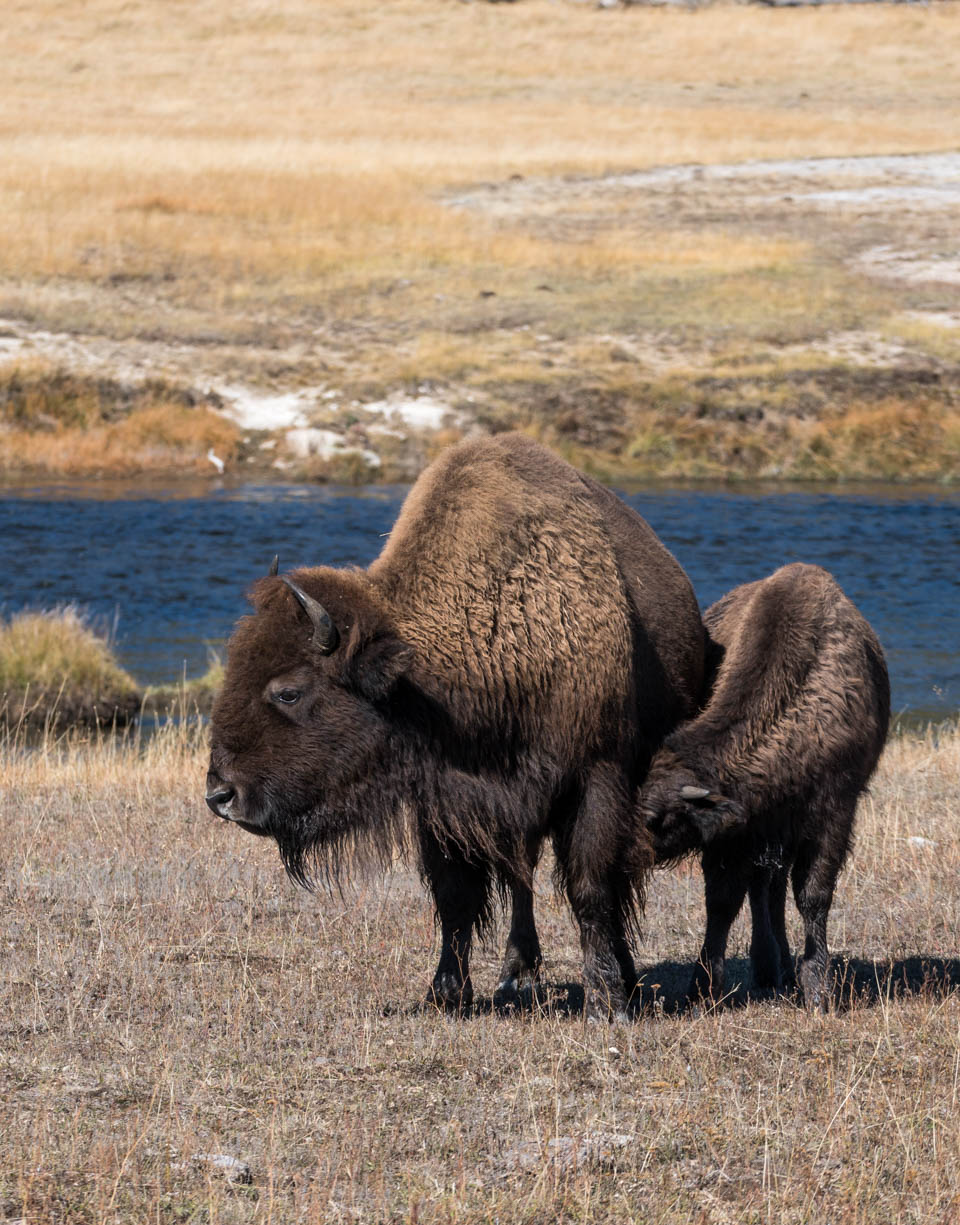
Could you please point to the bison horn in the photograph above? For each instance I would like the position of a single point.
(694, 793)
(325, 636)
(274, 566)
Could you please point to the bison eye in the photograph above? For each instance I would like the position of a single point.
(287, 696)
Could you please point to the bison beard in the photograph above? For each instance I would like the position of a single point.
(502, 673)
(765, 780)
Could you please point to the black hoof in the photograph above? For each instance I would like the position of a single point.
(450, 995)
(515, 995)
(813, 990)
(600, 1004)
(703, 989)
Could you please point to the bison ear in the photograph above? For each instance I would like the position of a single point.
(376, 667)
(713, 814)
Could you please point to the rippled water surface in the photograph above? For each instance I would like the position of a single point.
(169, 567)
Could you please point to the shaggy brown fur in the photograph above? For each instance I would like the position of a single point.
(791, 733)
(504, 671)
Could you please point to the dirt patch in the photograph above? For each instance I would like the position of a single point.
(57, 710)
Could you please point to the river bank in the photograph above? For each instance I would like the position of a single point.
(811, 416)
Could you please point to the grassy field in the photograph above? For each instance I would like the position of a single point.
(166, 995)
(272, 196)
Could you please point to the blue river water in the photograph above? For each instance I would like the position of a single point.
(166, 569)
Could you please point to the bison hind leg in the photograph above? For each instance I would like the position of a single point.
(815, 872)
(523, 960)
(590, 831)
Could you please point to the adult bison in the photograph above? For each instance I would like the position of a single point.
(766, 778)
(502, 672)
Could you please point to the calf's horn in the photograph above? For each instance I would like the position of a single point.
(274, 566)
(325, 636)
(694, 793)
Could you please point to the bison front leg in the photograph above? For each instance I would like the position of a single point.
(461, 892)
(590, 854)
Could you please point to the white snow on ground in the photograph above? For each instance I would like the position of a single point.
(925, 196)
(112, 359)
(325, 444)
(417, 412)
(926, 179)
(856, 348)
(10, 347)
(940, 319)
(941, 169)
(257, 410)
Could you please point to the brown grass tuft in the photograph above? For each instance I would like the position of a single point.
(67, 424)
(55, 669)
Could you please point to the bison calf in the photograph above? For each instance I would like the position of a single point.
(766, 778)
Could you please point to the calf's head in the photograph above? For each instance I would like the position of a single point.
(682, 814)
(299, 729)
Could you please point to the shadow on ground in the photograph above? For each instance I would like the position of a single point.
(857, 982)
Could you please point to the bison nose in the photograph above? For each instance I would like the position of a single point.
(219, 800)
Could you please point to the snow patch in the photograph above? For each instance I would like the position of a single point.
(309, 442)
(939, 319)
(929, 180)
(929, 196)
(11, 346)
(915, 266)
(416, 412)
(252, 409)
(857, 348)
(937, 168)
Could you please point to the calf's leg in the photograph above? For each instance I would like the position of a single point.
(764, 950)
(769, 947)
(778, 919)
(725, 886)
(815, 872)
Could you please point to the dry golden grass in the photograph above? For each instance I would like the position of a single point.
(227, 175)
(72, 425)
(52, 648)
(165, 992)
(162, 438)
(55, 667)
(941, 342)
(189, 696)
(298, 145)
